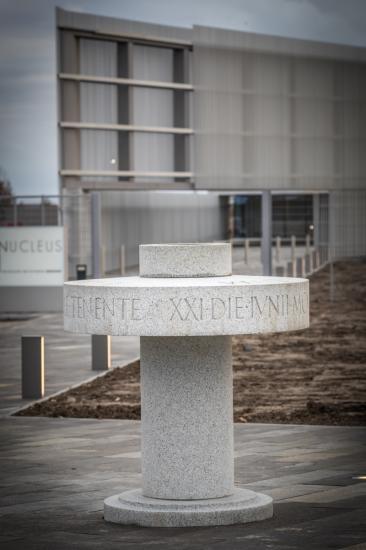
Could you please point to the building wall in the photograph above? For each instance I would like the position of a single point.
(289, 120)
(131, 219)
(268, 113)
(109, 48)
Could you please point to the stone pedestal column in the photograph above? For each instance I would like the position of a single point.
(186, 412)
(185, 305)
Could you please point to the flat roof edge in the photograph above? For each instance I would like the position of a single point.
(250, 41)
(101, 24)
(201, 35)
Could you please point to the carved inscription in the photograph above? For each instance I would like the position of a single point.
(187, 308)
(127, 309)
(280, 305)
(236, 307)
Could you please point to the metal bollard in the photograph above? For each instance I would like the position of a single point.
(123, 260)
(101, 352)
(32, 367)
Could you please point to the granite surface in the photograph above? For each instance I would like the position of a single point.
(243, 506)
(199, 306)
(186, 411)
(185, 260)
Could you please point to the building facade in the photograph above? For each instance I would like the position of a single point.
(172, 125)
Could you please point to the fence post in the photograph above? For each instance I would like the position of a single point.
(300, 267)
(331, 281)
(122, 260)
(307, 244)
(60, 219)
(15, 212)
(278, 248)
(326, 254)
(32, 367)
(293, 247)
(103, 260)
(101, 352)
(267, 232)
(231, 217)
(43, 212)
(316, 221)
(291, 268)
(308, 264)
(96, 230)
(246, 250)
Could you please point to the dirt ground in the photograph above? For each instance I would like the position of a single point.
(314, 376)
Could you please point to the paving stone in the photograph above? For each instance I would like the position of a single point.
(68, 511)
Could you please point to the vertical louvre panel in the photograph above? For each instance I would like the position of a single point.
(98, 104)
(153, 107)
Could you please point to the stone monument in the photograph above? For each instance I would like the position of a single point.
(185, 305)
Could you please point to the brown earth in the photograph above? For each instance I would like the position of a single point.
(314, 376)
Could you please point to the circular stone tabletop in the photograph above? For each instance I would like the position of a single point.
(197, 306)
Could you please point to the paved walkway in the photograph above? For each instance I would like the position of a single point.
(67, 356)
(55, 474)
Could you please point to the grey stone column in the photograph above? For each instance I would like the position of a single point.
(187, 409)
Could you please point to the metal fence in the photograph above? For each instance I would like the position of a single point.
(28, 210)
(325, 226)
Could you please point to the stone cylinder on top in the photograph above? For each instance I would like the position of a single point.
(186, 392)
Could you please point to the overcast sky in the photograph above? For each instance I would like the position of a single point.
(28, 146)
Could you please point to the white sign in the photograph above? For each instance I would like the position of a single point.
(32, 256)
